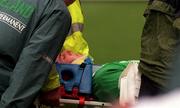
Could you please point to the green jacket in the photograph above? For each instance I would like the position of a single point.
(31, 35)
(159, 40)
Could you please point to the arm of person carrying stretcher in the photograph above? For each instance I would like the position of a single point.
(38, 55)
(176, 23)
(68, 2)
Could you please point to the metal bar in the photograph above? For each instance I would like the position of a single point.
(89, 103)
(114, 0)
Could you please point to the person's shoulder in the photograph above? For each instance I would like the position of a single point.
(44, 3)
(50, 5)
(52, 2)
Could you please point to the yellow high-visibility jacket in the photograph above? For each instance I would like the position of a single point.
(74, 42)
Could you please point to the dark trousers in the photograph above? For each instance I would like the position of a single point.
(148, 88)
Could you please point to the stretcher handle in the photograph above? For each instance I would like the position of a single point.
(90, 103)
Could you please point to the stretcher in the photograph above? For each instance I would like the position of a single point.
(77, 103)
(71, 103)
(87, 104)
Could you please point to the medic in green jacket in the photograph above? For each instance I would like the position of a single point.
(159, 41)
(31, 33)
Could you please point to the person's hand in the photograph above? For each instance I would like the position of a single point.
(68, 2)
(51, 97)
(122, 105)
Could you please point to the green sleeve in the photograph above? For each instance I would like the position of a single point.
(173, 83)
(176, 24)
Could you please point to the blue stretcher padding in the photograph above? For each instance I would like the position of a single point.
(74, 75)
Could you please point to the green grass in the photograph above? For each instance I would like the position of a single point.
(113, 29)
